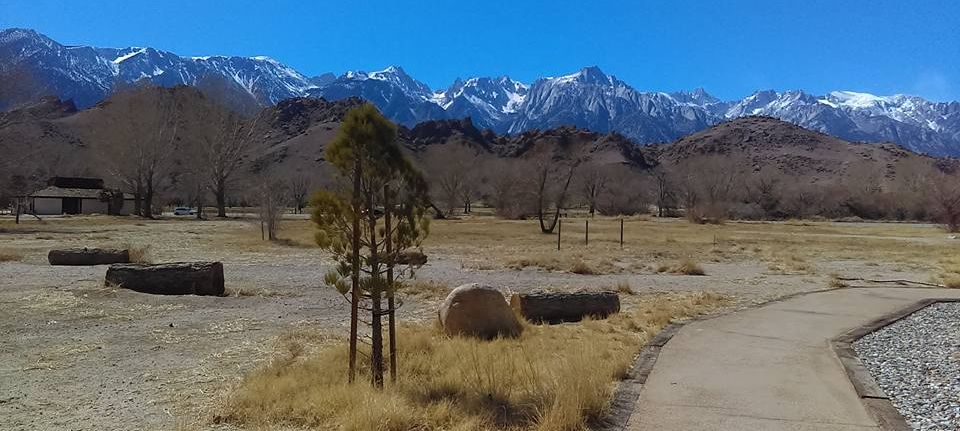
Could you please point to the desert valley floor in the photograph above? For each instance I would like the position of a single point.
(75, 352)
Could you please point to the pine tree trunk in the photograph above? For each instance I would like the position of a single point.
(376, 348)
(18, 211)
(391, 305)
(376, 294)
(355, 276)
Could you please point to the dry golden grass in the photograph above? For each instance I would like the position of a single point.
(683, 267)
(790, 264)
(577, 264)
(241, 292)
(950, 275)
(488, 243)
(952, 282)
(424, 289)
(138, 253)
(624, 288)
(10, 255)
(493, 243)
(552, 378)
(836, 283)
(582, 268)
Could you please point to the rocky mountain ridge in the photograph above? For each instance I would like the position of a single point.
(33, 65)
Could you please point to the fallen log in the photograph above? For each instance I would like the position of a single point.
(182, 278)
(556, 307)
(88, 256)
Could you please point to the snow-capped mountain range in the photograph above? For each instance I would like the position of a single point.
(34, 65)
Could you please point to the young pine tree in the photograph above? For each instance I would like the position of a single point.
(369, 223)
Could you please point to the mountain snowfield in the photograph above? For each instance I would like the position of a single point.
(589, 98)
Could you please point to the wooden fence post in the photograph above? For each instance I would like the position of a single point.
(621, 234)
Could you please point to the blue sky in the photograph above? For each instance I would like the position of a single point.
(731, 48)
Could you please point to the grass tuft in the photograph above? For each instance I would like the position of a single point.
(952, 282)
(581, 267)
(836, 282)
(139, 253)
(10, 256)
(684, 267)
(239, 292)
(624, 288)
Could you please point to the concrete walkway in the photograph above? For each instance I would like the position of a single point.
(769, 368)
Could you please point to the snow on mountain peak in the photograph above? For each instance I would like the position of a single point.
(587, 75)
(264, 58)
(135, 51)
(395, 75)
(856, 100)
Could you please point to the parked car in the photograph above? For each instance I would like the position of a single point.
(179, 211)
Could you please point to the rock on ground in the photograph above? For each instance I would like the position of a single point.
(480, 311)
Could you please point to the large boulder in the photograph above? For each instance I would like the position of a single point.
(556, 307)
(87, 256)
(182, 278)
(478, 311)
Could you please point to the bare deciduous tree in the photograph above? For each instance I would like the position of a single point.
(624, 193)
(451, 176)
(139, 145)
(299, 186)
(270, 195)
(593, 183)
(509, 188)
(946, 201)
(552, 183)
(708, 186)
(664, 188)
(224, 150)
(765, 190)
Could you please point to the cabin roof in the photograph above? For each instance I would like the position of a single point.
(60, 192)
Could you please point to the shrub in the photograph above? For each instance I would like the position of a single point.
(689, 267)
(581, 267)
(684, 267)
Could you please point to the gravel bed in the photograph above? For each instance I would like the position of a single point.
(916, 361)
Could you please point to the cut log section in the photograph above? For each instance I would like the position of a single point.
(183, 278)
(556, 307)
(88, 256)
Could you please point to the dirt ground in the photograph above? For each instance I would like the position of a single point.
(75, 355)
